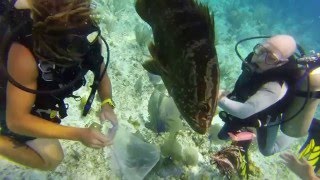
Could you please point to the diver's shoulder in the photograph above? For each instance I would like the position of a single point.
(21, 60)
(19, 50)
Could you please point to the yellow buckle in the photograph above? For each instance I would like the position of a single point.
(53, 114)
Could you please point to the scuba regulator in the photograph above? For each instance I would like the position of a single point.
(312, 61)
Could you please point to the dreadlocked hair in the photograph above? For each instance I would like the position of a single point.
(59, 14)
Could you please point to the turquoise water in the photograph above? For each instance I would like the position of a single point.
(236, 20)
(128, 36)
(249, 18)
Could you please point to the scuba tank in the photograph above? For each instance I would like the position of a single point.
(299, 114)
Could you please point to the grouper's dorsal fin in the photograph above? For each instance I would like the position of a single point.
(152, 67)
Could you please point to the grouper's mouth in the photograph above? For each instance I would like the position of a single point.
(199, 117)
(203, 118)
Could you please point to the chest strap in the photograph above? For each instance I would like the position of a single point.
(311, 94)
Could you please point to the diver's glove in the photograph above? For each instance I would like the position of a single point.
(311, 148)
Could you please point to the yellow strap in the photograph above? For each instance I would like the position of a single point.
(108, 101)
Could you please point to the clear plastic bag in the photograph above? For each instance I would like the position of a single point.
(132, 158)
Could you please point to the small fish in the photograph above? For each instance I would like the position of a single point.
(184, 55)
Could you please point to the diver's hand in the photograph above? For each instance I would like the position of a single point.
(300, 167)
(93, 138)
(222, 93)
(107, 114)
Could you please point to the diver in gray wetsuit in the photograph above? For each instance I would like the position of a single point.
(260, 96)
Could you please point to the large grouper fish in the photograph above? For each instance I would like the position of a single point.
(184, 55)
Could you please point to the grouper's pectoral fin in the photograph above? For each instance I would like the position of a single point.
(152, 67)
(152, 49)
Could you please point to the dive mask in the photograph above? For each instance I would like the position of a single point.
(270, 58)
(65, 47)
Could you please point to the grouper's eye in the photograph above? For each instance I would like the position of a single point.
(203, 107)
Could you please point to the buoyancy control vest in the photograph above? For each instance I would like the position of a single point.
(249, 83)
(62, 76)
(56, 77)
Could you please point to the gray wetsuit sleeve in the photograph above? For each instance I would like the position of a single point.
(266, 96)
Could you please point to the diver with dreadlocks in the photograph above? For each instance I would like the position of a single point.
(46, 59)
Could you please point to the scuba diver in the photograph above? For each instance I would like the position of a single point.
(262, 93)
(46, 59)
(275, 89)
